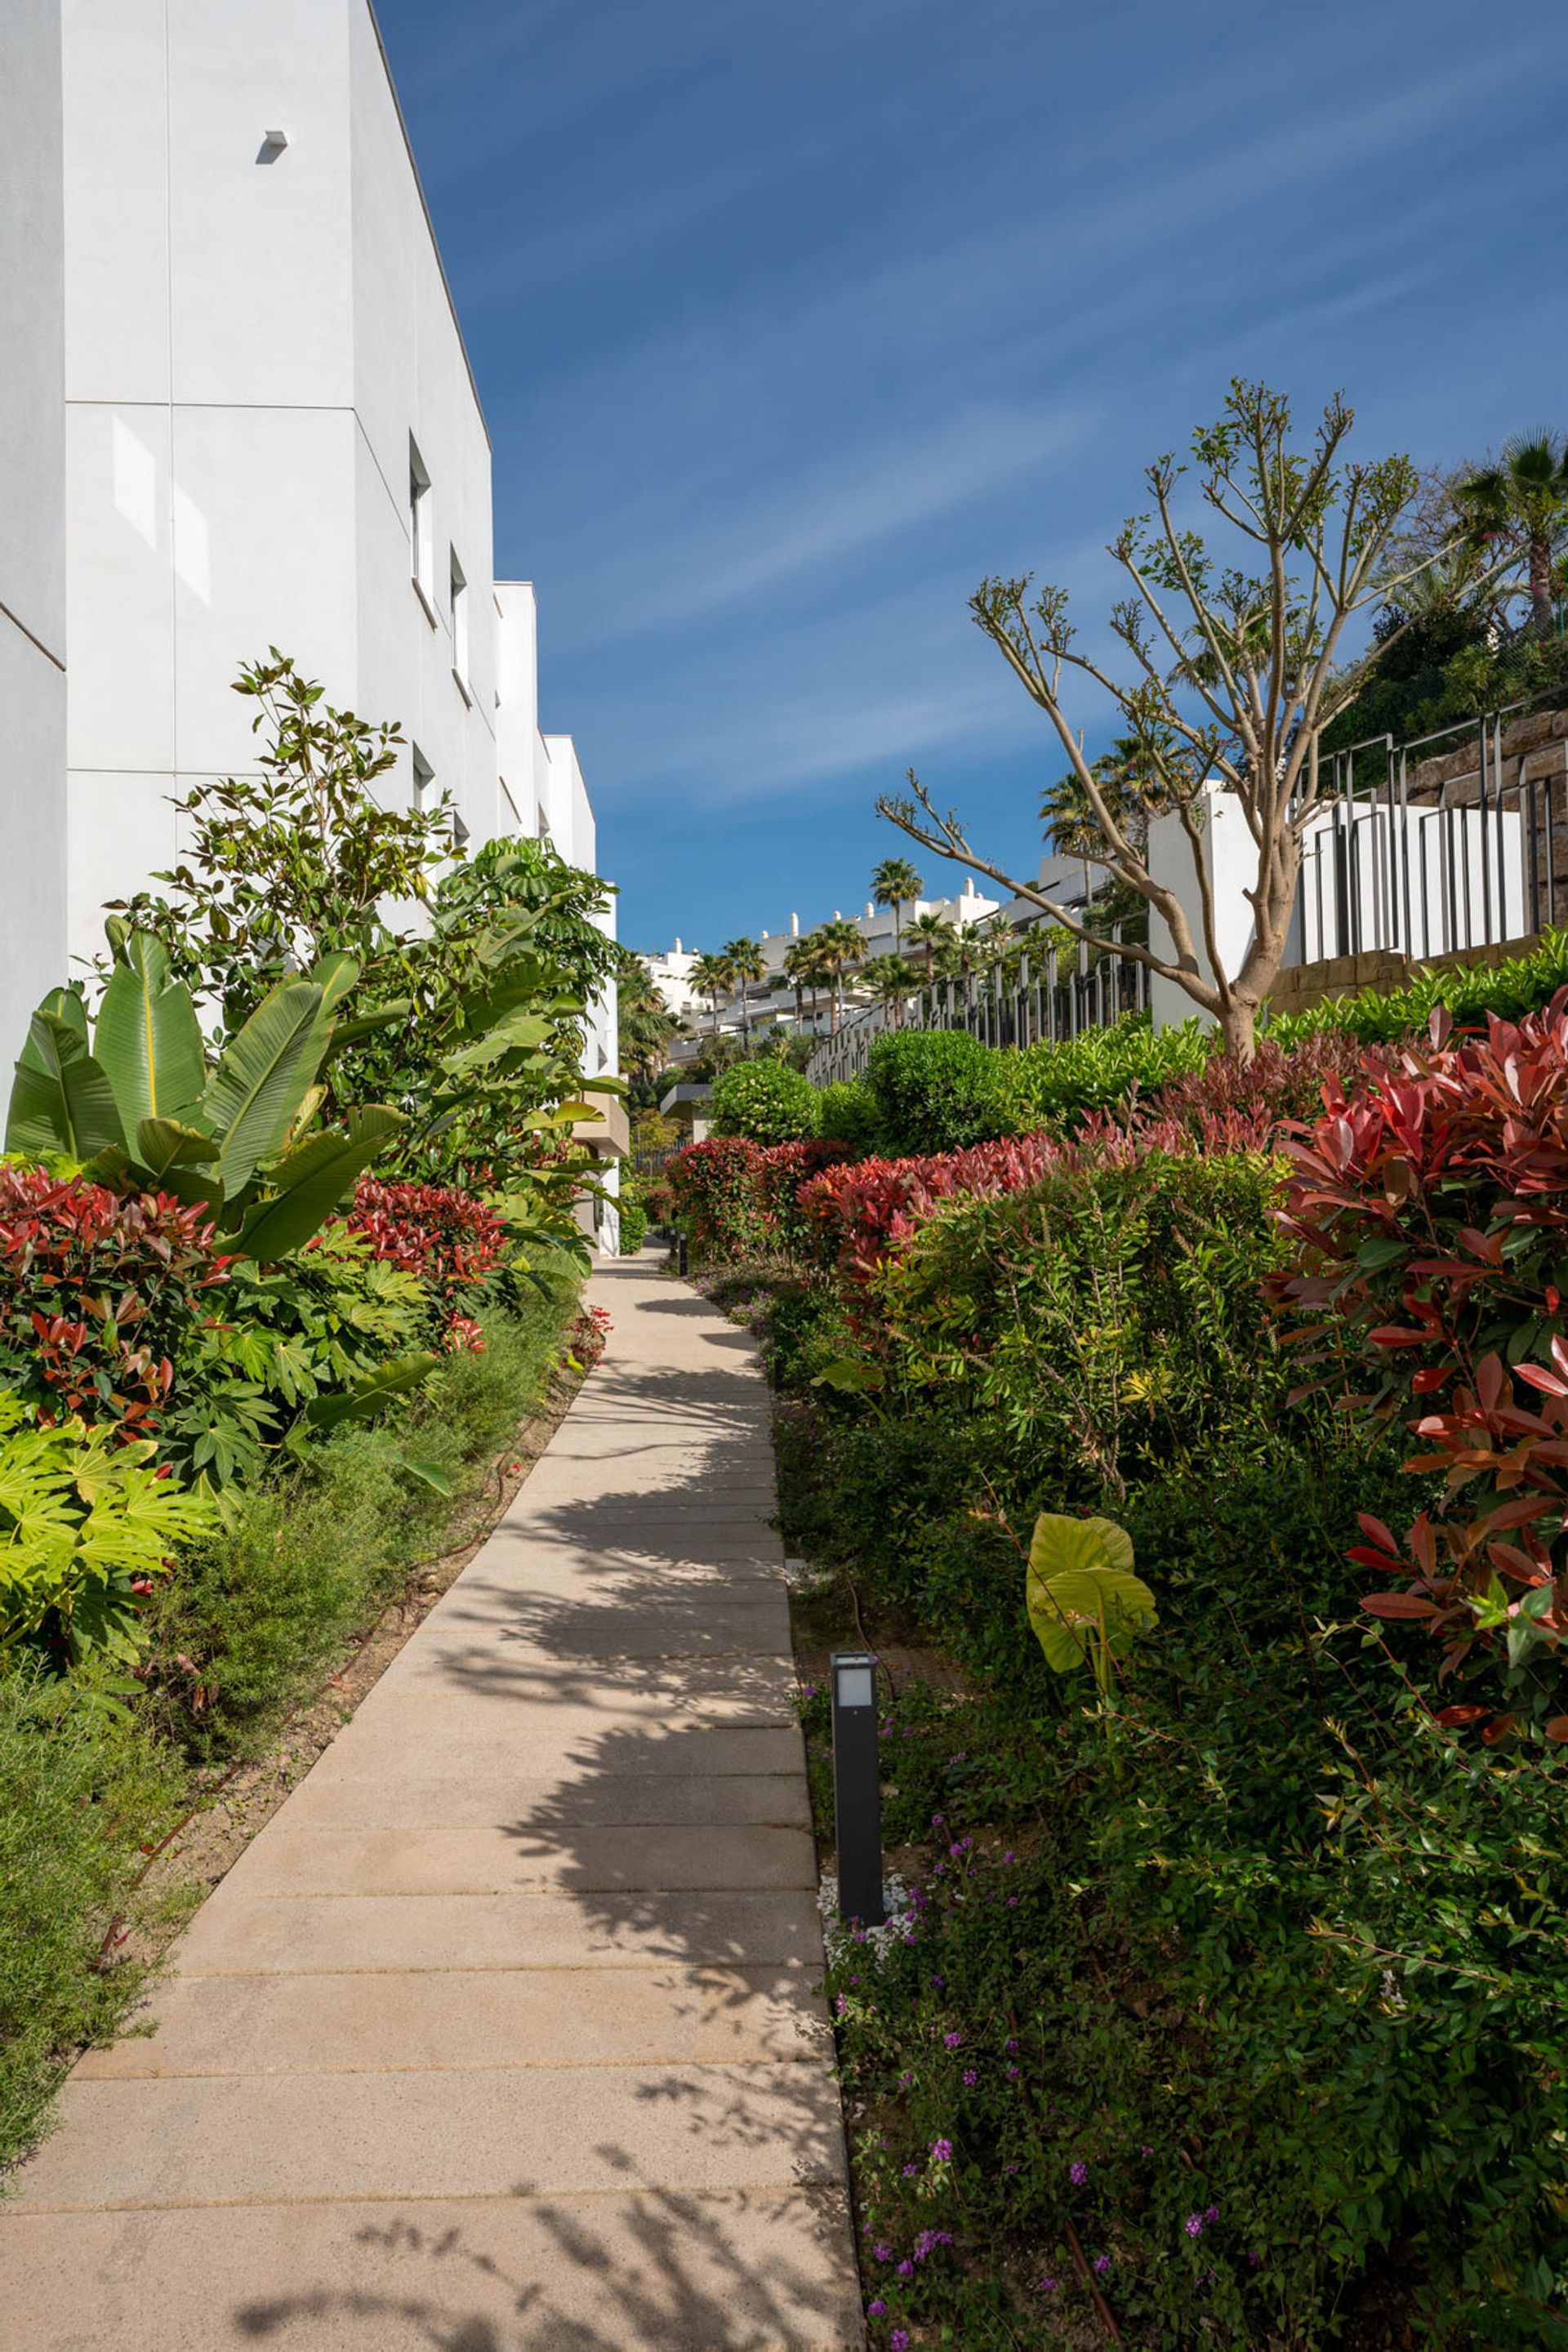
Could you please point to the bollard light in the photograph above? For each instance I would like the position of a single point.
(857, 1788)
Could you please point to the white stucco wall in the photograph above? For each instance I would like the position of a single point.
(1230, 857)
(252, 335)
(32, 502)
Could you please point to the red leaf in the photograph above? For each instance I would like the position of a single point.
(1381, 1535)
(1459, 1715)
(1557, 1727)
(1398, 1604)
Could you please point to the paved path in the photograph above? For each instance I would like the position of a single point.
(500, 2037)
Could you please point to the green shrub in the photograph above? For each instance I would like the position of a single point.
(936, 1090)
(83, 1793)
(765, 1102)
(1055, 1086)
(1104, 1322)
(634, 1225)
(849, 1111)
(1522, 986)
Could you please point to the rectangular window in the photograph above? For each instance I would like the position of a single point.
(424, 779)
(459, 594)
(543, 822)
(422, 544)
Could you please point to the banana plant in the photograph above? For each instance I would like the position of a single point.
(139, 1106)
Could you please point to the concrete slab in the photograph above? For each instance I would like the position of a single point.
(546, 1929)
(293, 2138)
(366, 1801)
(446, 2020)
(640, 2271)
(524, 1852)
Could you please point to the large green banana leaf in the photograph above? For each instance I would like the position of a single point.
(305, 1188)
(262, 1078)
(162, 1144)
(148, 1039)
(61, 1100)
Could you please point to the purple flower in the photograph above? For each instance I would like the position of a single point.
(1147, 2150)
(1046, 2286)
(1012, 2074)
(1212, 2213)
(1012, 1903)
(1078, 2174)
(1194, 2225)
(904, 2081)
(939, 1983)
(951, 2040)
(943, 2151)
(906, 2270)
(875, 2310)
(1255, 2260)
(1102, 2263)
(970, 2078)
(1009, 2167)
(899, 2340)
(1012, 2044)
(1009, 1855)
(881, 2253)
(910, 2170)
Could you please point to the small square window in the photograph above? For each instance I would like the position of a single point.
(424, 779)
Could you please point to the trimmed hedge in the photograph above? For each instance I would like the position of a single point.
(765, 1102)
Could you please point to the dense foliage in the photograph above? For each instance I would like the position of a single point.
(1230, 1991)
(765, 1101)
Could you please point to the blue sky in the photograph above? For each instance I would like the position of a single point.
(791, 322)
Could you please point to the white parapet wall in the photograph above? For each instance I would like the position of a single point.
(1230, 863)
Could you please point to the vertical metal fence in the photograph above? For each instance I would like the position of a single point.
(1025, 998)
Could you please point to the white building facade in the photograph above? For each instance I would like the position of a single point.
(248, 421)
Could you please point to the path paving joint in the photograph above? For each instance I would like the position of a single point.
(504, 2034)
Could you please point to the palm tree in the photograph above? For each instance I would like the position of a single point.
(803, 969)
(643, 1022)
(840, 947)
(711, 978)
(891, 980)
(745, 963)
(932, 933)
(896, 884)
(1522, 502)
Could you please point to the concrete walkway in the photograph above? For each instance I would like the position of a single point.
(500, 2037)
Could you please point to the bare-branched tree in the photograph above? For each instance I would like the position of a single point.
(1239, 661)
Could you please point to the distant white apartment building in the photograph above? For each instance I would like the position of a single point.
(243, 416)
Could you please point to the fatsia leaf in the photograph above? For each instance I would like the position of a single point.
(61, 1100)
(304, 1189)
(264, 1076)
(148, 1038)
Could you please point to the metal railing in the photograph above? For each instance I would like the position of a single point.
(1425, 865)
(1023, 999)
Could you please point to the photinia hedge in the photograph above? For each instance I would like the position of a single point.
(98, 1295)
(1430, 1212)
(449, 1239)
(740, 1199)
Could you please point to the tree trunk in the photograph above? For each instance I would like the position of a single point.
(1543, 612)
(1239, 1029)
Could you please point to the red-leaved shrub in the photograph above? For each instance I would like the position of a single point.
(1430, 1208)
(740, 1199)
(449, 1239)
(96, 1295)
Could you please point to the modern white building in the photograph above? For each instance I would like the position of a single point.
(247, 420)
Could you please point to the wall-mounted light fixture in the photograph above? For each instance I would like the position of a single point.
(857, 1788)
(273, 142)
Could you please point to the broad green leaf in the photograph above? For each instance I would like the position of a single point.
(429, 1474)
(362, 1403)
(165, 1143)
(305, 1188)
(61, 1100)
(1081, 1592)
(264, 1076)
(1059, 1542)
(850, 1374)
(516, 1029)
(148, 1038)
